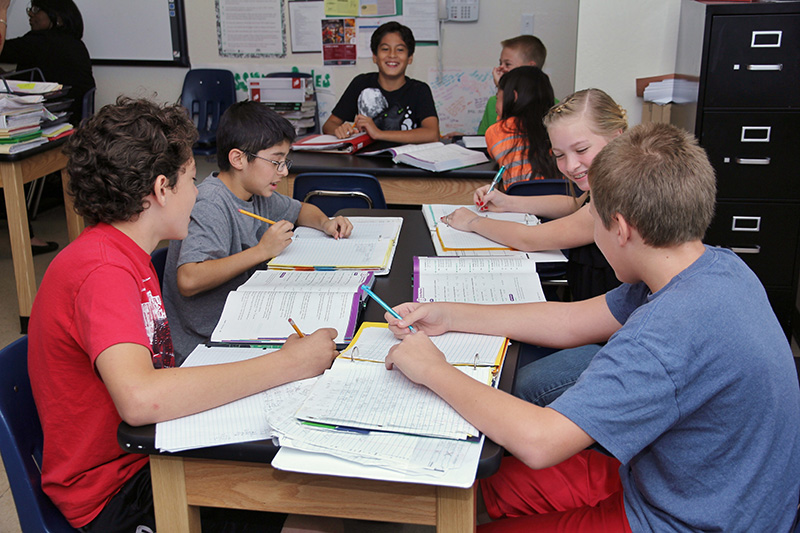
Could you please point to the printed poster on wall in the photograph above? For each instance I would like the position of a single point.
(251, 28)
(339, 41)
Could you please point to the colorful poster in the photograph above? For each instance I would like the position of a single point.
(339, 41)
(460, 97)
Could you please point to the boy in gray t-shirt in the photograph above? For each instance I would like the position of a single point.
(224, 247)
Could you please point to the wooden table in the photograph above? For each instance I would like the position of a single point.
(239, 476)
(401, 184)
(15, 171)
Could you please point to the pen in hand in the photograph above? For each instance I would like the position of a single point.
(384, 305)
(495, 181)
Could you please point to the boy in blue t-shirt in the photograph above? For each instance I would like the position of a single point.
(387, 104)
(695, 393)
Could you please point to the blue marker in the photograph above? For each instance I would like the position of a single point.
(383, 304)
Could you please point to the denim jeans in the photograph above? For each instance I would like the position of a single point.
(545, 379)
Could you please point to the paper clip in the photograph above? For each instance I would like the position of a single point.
(353, 354)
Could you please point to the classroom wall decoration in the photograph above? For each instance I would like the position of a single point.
(460, 96)
(251, 28)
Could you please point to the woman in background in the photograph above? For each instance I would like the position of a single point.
(54, 46)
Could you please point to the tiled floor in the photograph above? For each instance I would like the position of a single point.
(50, 225)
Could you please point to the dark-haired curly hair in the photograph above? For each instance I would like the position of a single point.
(116, 156)
(528, 96)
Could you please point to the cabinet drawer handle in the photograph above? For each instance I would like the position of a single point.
(776, 67)
(752, 161)
(742, 223)
(746, 250)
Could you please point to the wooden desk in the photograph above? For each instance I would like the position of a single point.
(15, 171)
(401, 184)
(239, 476)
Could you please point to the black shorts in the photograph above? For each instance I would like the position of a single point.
(131, 511)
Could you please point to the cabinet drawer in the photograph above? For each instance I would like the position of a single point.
(753, 61)
(754, 153)
(764, 235)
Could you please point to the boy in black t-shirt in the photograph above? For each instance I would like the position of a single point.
(387, 104)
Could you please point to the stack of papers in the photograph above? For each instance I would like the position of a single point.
(331, 144)
(371, 246)
(676, 90)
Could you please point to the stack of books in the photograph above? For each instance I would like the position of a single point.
(293, 98)
(28, 119)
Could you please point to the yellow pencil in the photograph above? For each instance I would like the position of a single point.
(248, 213)
(296, 328)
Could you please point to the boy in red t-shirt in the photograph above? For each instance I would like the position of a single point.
(100, 349)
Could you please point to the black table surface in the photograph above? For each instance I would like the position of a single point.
(381, 166)
(394, 288)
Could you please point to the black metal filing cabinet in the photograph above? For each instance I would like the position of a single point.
(748, 120)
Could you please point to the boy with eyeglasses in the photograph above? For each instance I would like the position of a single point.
(224, 247)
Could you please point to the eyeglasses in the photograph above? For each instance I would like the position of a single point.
(32, 10)
(280, 165)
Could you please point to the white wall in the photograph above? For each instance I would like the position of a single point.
(617, 42)
(464, 45)
(621, 40)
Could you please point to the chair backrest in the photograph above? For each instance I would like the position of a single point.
(159, 259)
(539, 187)
(21, 443)
(332, 191)
(207, 93)
(88, 103)
(317, 128)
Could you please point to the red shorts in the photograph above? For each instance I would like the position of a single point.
(583, 493)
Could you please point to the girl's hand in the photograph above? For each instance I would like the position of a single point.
(338, 227)
(460, 219)
(493, 201)
(314, 353)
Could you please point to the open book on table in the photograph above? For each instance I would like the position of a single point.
(371, 246)
(331, 144)
(449, 241)
(435, 156)
(258, 311)
(358, 391)
(482, 280)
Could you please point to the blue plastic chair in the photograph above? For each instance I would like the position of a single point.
(207, 93)
(332, 191)
(21, 444)
(159, 259)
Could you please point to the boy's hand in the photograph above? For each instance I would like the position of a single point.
(314, 353)
(338, 227)
(364, 123)
(277, 237)
(416, 357)
(460, 219)
(497, 73)
(345, 130)
(494, 201)
(429, 318)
